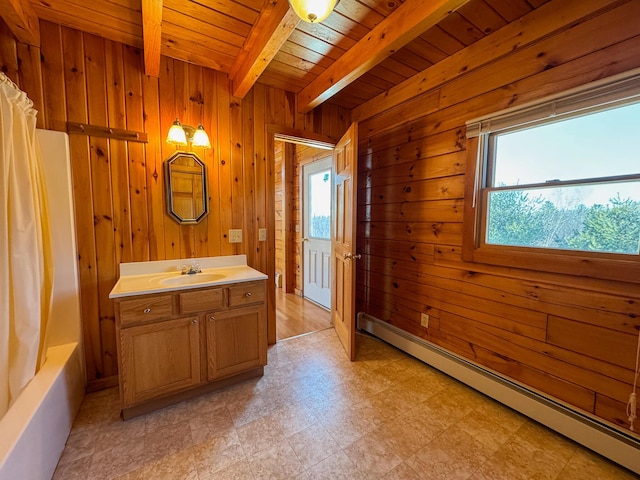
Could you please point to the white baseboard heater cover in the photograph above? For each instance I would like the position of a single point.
(578, 426)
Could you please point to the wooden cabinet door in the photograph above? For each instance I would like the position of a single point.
(159, 358)
(236, 341)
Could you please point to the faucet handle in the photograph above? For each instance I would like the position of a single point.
(196, 268)
(185, 269)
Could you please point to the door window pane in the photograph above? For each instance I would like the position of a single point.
(319, 207)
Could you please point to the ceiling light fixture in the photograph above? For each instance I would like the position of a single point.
(313, 11)
(182, 135)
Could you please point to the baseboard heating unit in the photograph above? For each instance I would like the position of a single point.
(578, 426)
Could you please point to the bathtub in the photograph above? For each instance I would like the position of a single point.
(34, 430)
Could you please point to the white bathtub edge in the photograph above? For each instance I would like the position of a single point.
(36, 427)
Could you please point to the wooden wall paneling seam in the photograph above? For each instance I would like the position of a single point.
(72, 56)
(30, 74)
(594, 341)
(210, 123)
(95, 75)
(8, 53)
(53, 77)
(194, 116)
(115, 94)
(137, 166)
(224, 164)
(237, 172)
(154, 166)
(290, 220)
(181, 99)
(168, 113)
(512, 347)
(252, 201)
(451, 256)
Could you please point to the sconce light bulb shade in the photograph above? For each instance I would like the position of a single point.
(200, 138)
(176, 134)
(313, 11)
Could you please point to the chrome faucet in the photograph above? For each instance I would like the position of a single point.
(191, 269)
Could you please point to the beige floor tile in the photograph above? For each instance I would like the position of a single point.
(454, 455)
(336, 467)
(402, 472)
(166, 441)
(315, 415)
(237, 471)
(312, 445)
(209, 423)
(77, 469)
(260, 434)
(586, 465)
(486, 429)
(278, 461)
(121, 458)
(179, 466)
(371, 456)
(217, 453)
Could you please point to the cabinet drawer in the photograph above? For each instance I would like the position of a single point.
(145, 309)
(201, 300)
(247, 293)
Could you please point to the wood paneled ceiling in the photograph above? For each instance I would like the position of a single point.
(361, 50)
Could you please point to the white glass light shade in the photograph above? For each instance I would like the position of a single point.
(176, 134)
(313, 11)
(200, 138)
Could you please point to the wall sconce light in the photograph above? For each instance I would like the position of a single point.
(182, 135)
(313, 11)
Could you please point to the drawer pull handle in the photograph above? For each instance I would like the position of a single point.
(147, 310)
(194, 321)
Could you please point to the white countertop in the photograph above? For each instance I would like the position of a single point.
(142, 278)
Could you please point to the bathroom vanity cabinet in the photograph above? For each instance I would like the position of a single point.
(180, 343)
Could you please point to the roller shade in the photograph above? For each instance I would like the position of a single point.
(604, 94)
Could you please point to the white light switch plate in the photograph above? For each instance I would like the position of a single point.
(235, 236)
(262, 234)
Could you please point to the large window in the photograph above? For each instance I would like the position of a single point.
(560, 178)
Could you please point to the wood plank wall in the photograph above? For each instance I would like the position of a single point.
(278, 158)
(119, 186)
(570, 337)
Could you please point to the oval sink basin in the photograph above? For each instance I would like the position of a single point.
(192, 279)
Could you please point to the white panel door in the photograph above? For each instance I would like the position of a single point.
(316, 241)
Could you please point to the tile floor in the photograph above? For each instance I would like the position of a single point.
(314, 415)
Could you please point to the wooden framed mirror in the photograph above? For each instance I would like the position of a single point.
(186, 184)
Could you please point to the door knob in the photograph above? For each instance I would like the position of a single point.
(305, 239)
(349, 256)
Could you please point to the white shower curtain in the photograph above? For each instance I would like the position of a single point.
(26, 269)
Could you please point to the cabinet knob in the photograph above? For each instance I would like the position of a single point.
(211, 318)
(248, 294)
(147, 310)
(194, 321)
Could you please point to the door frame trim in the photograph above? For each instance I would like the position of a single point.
(291, 135)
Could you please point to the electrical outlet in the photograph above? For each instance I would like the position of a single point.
(424, 320)
(262, 234)
(235, 236)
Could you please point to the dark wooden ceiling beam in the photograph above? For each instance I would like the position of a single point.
(270, 32)
(21, 20)
(152, 35)
(409, 20)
